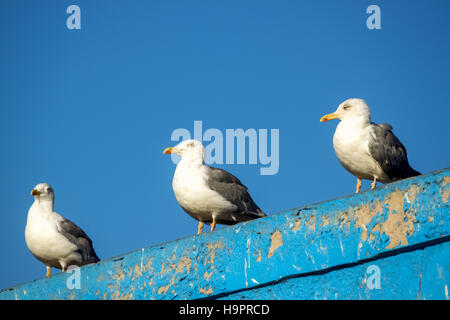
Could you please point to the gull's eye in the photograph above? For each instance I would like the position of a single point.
(49, 190)
(346, 107)
(190, 144)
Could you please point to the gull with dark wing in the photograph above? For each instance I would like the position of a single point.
(51, 238)
(209, 195)
(368, 150)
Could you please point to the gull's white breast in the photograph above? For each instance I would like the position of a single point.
(351, 144)
(43, 239)
(193, 194)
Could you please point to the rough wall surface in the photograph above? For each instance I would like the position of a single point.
(389, 243)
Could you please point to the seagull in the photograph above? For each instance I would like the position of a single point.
(52, 239)
(366, 149)
(209, 195)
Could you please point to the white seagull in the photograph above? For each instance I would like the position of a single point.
(366, 149)
(209, 195)
(52, 239)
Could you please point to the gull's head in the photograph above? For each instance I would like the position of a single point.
(356, 109)
(188, 150)
(43, 191)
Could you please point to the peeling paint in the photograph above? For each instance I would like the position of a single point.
(399, 223)
(325, 221)
(184, 263)
(204, 291)
(445, 181)
(212, 247)
(311, 222)
(207, 275)
(344, 219)
(276, 241)
(258, 259)
(164, 289)
(148, 266)
(364, 215)
(297, 224)
(411, 194)
(137, 272)
(445, 191)
(119, 276)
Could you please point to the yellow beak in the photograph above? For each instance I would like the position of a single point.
(34, 192)
(168, 150)
(330, 116)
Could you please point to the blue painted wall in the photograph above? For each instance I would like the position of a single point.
(389, 243)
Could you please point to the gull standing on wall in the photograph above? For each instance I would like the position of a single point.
(51, 238)
(209, 195)
(366, 149)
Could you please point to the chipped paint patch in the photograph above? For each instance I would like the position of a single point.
(206, 291)
(364, 215)
(311, 222)
(258, 259)
(344, 219)
(411, 194)
(148, 266)
(297, 224)
(184, 263)
(325, 221)
(445, 192)
(212, 247)
(276, 241)
(399, 223)
(323, 248)
(445, 181)
(207, 275)
(126, 296)
(119, 276)
(164, 289)
(137, 272)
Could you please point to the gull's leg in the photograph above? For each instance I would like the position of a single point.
(48, 274)
(63, 268)
(213, 224)
(374, 182)
(200, 227)
(358, 185)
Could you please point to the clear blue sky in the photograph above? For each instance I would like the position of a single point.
(90, 111)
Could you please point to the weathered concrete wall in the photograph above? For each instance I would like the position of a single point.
(320, 251)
